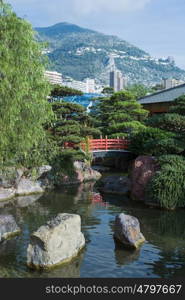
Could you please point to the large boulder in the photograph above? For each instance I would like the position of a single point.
(81, 172)
(28, 187)
(119, 185)
(43, 171)
(85, 172)
(101, 169)
(24, 201)
(142, 170)
(6, 194)
(127, 231)
(37, 172)
(10, 176)
(56, 242)
(8, 227)
(23, 181)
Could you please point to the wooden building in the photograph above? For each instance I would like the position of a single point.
(160, 102)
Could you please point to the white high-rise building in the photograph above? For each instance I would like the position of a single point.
(117, 81)
(171, 83)
(77, 85)
(86, 86)
(90, 85)
(54, 77)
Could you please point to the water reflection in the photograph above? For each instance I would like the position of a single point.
(25, 201)
(124, 257)
(161, 256)
(69, 270)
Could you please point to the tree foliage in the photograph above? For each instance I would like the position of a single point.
(154, 141)
(165, 136)
(120, 114)
(72, 123)
(165, 132)
(23, 89)
(138, 90)
(108, 90)
(64, 91)
(173, 122)
(178, 106)
(167, 186)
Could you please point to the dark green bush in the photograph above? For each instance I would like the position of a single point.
(167, 187)
(62, 163)
(153, 141)
(170, 122)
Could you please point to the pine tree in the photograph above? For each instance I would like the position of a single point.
(138, 90)
(178, 106)
(173, 121)
(165, 133)
(119, 115)
(59, 91)
(72, 124)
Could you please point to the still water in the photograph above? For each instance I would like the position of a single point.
(163, 255)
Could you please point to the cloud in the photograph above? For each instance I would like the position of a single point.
(86, 6)
(48, 12)
(89, 6)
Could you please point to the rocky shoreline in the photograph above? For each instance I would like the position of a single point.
(24, 182)
(134, 184)
(61, 239)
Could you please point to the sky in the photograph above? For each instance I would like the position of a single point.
(156, 26)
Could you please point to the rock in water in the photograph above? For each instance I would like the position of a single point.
(10, 176)
(28, 187)
(127, 231)
(118, 185)
(56, 242)
(6, 194)
(25, 201)
(143, 169)
(8, 227)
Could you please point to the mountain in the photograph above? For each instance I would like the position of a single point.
(82, 53)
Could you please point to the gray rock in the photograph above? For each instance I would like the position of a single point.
(127, 231)
(119, 185)
(25, 201)
(6, 194)
(28, 187)
(38, 172)
(46, 183)
(85, 172)
(82, 172)
(142, 170)
(8, 227)
(43, 170)
(101, 169)
(56, 242)
(10, 176)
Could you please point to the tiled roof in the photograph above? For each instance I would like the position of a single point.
(168, 95)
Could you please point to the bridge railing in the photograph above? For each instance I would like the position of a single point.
(101, 144)
(105, 144)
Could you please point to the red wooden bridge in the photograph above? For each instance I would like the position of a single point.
(106, 144)
(93, 145)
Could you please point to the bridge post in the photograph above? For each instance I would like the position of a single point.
(88, 144)
(106, 144)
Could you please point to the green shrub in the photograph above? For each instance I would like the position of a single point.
(167, 187)
(153, 141)
(62, 163)
(170, 122)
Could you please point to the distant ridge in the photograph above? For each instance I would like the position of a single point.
(61, 28)
(80, 53)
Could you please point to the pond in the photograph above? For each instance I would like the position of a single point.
(162, 256)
